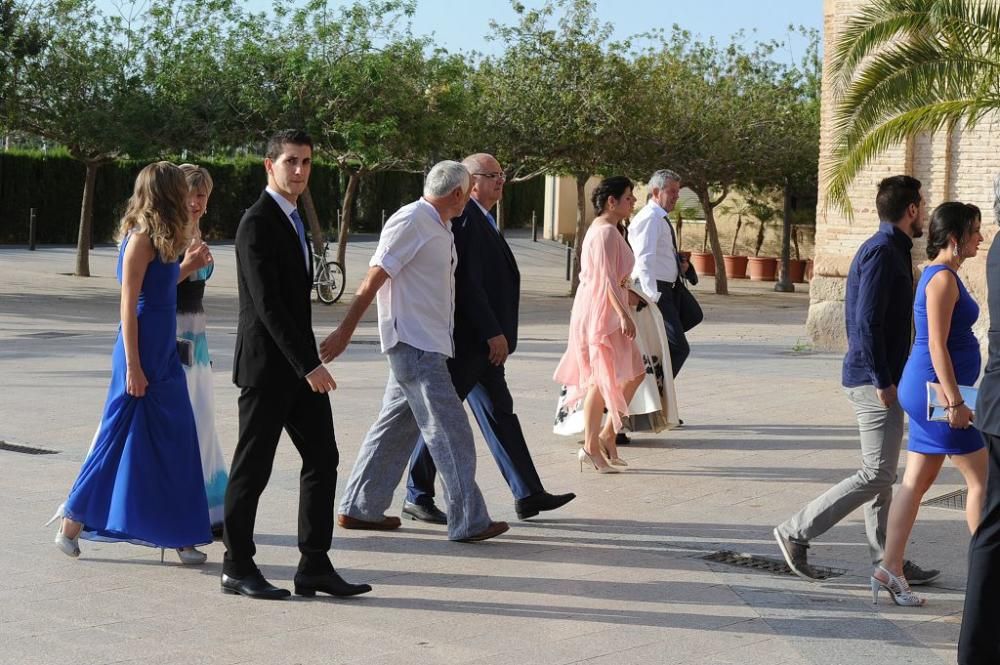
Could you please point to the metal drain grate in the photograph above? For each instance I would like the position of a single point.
(767, 564)
(27, 450)
(952, 500)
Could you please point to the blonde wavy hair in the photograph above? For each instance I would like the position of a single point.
(198, 178)
(158, 208)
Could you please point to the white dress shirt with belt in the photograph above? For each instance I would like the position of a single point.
(416, 305)
(652, 241)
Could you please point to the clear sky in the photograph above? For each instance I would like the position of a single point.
(461, 25)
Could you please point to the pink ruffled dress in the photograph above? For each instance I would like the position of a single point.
(597, 352)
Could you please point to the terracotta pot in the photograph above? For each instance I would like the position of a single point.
(763, 268)
(704, 263)
(809, 270)
(684, 254)
(797, 270)
(736, 266)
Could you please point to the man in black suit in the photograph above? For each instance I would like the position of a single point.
(283, 383)
(487, 292)
(977, 643)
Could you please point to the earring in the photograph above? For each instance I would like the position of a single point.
(955, 250)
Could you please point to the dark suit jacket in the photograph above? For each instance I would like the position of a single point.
(988, 404)
(487, 284)
(275, 345)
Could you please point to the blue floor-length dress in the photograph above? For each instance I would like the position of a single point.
(938, 438)
(142, 480)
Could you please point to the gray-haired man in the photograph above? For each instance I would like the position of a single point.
(413, 276)
(657, 266)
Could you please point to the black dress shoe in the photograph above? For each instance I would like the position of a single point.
(430, 514)
(532, 505)
(331, 583)
(621, 439)
(253, 586)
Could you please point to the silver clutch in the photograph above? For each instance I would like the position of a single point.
(937, 402)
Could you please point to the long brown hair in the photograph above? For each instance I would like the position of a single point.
(158, 208)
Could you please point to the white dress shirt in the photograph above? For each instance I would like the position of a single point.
(652, 242)
(416, 305)
(287, 208)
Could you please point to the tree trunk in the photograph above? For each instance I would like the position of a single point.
(312, 219)
(581, 216)
(784, 284)
(501, 217)
(721, 284)
(346, 215)
(86, 220)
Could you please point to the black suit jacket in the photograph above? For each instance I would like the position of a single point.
(275, 345)
(487, 284)
(988, 403)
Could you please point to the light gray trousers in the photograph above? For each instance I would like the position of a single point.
(419, 399)
(881, 431)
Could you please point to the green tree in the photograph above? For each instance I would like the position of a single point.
(21, 38)
(86, 91)
(713, 115)
(572, 112)
(901, 67)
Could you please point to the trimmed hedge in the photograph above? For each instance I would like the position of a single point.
(53, 184)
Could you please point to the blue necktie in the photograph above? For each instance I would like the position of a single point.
(301, 230)
(493, 222)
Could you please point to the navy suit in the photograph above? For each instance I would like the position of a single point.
(487, 291)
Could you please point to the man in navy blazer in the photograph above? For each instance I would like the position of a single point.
(487, 291)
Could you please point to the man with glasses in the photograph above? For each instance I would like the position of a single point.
(486, 304)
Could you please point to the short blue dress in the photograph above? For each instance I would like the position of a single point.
(938, 438)
(142, 480)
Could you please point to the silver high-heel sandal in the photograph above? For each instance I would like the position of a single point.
(68, 546)
(898, 588)
(607, 468)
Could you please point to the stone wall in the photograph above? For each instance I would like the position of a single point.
(956, 165)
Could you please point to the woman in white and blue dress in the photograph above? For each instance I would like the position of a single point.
(198, 367)
(141, 482)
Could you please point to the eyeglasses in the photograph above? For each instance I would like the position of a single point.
(492, 175)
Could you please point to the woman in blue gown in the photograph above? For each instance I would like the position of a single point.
(946, 352)
(142, 480)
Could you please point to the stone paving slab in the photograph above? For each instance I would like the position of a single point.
(616, 576)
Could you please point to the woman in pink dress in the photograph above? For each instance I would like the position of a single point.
(602, 364)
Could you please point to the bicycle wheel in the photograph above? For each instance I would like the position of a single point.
(330, 282)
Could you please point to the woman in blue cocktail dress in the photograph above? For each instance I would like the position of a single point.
(945, 351)
(142, 481)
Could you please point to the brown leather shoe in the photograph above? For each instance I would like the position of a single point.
(492, 531)
(384, 524)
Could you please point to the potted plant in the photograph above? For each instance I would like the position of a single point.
(762, 268)
(736, 265)
(796, 266)
(703, 261)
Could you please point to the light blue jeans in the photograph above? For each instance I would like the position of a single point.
(419, 400)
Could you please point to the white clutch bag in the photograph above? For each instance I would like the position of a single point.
(937, 402)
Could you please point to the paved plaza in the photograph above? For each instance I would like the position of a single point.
(618, 576)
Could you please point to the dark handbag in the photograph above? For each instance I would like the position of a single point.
(688, 309)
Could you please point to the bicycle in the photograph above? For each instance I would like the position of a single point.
(328, 277)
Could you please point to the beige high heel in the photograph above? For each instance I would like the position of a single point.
(615, 461)
(607, 468)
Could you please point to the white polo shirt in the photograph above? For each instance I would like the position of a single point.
(416, 305)
(652, 242)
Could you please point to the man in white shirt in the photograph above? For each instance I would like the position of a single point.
(658, 266)
(412, 274)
